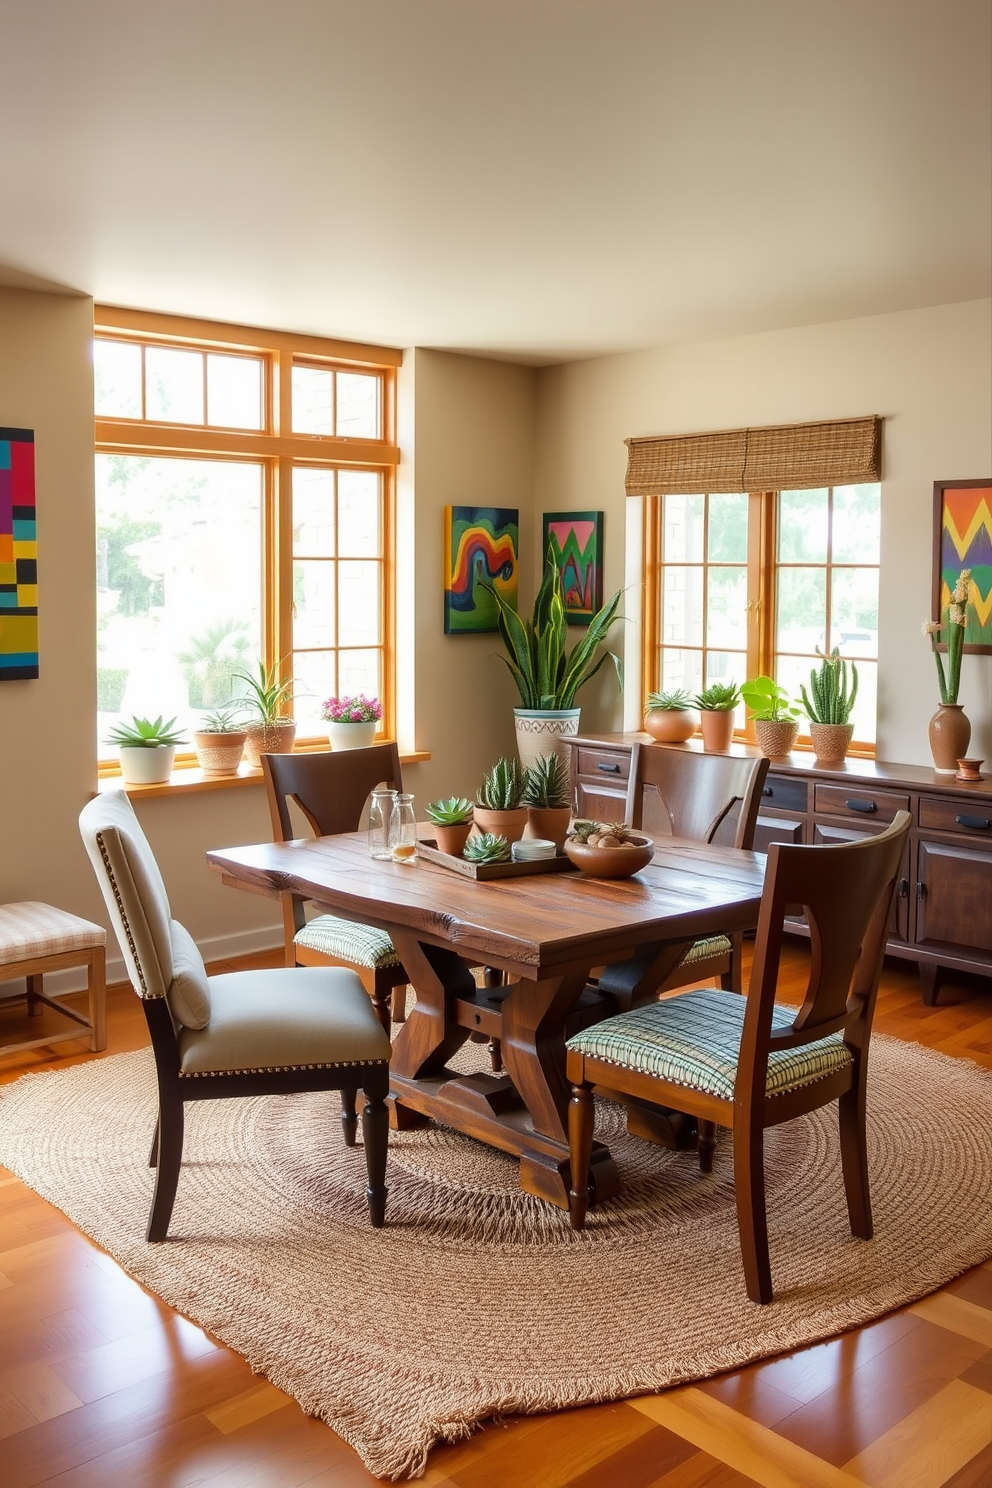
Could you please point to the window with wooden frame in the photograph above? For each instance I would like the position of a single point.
(244, 491)
(741, 583)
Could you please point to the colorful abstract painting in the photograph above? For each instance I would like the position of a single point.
(18, 557)
(963, 539)
(480, 546)
(577, 542)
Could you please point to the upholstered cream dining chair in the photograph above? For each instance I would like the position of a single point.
(266, 1032)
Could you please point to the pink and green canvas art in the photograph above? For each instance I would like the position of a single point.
(576, 540)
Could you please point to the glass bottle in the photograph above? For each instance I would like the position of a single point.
(380, 823)
(403, 830)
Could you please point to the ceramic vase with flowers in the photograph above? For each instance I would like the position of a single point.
(950, 728)
(351, 721)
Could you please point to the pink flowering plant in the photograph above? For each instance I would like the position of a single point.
(358, 709)
(954, 623)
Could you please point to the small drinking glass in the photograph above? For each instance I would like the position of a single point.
(380, 823)
(403, 830)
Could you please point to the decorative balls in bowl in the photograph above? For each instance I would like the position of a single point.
(606, 850)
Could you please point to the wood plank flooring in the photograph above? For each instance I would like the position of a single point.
(101, 1384)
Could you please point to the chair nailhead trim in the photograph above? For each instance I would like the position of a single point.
(144, 994)
(685, 1085)
(276, 1069)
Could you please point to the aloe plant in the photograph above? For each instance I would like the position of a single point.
(502, 788)
(831, 702)
(673, 701)
(454, 812)
(141, 733)
(220, 721)
(548, 676)
(719, 697)
(487, 847)
(546, 783)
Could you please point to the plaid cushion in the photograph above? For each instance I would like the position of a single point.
(702, 950)
(695, 1040)
(35, 929)
(358, 944)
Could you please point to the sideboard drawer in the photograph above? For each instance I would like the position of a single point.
(858, 801)
(784, 793)
(611, 764)
(956, 816)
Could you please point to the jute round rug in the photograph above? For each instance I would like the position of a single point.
(477, 1300)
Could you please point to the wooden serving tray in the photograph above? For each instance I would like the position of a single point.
(429, 849)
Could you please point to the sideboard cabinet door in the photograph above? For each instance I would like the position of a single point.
(954, 896)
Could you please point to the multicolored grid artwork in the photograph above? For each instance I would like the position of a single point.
(18, 557)
(963, 539)
(577, 543)
(480, 544)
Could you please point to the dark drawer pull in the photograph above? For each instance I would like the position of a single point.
(608, 769)
(868, 807)
(980, 823)
(766, 790)
(904, 888)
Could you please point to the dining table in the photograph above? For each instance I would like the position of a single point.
(541, 935)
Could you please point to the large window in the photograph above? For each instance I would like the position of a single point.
(244, 486)
(760, 583)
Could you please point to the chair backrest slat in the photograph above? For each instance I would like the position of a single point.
(680, 792)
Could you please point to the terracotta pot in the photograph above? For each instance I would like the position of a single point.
(670, 725)
(831, 741)
(717, 725)
(219, 754)
(269, 738)
(950, 734)
(549, 823)
(775, 738)
(508, 824)
(451, 838)
(541, 732)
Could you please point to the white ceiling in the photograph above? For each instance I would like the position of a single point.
(535, 179)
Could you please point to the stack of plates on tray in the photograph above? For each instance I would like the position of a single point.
(530, 849)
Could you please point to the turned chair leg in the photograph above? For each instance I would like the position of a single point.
(381, 1004)
(752, 1222)
(854, 1162)
(349, 1115)
(170, 1156)
(580, 1124)
(375, 1137)
(707, 1145)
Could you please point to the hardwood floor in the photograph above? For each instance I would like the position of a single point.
(102, 1384)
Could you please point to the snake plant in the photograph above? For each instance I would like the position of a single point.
(831, 701)
(548, 676)
(487, 847)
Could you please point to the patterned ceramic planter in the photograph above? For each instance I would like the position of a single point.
(541, 732)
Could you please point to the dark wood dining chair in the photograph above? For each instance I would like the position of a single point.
(749, 1063)
(269, 1032)
(676, 791)
(331, 789)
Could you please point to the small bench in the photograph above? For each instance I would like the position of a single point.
(36, 938)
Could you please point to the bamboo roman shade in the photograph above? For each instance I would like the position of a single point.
(778, 457)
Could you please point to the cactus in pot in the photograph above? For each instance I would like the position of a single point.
(830, 708)
(498, 802)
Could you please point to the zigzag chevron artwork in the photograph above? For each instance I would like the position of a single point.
(18, 557)
(966, 542)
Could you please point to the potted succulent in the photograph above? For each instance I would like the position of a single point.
(669, 716)
(547, 796)
(487, 847)
(547, 675)
(830, 708)
(351, 721)
(716, 705)
(498, 803)
(220, 742)
(775, 717)
(452, 822)
(147, 749)
(268, 732)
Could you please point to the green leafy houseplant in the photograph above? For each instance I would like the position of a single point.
(768, 701)
(141, 733)
(547, 675)
(831, 702)
(502, 788)
(719, 697)
(546, 784)
(487, 847)
(267, 692)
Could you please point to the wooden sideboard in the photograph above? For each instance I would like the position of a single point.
(942, 915)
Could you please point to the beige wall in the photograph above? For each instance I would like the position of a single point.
(928, 372)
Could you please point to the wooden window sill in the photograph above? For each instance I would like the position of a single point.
(187, 777)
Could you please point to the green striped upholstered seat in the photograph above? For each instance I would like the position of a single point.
(360, 945)
(702, 950)
(694, 1040)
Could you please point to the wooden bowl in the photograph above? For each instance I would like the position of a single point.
(611, 862)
